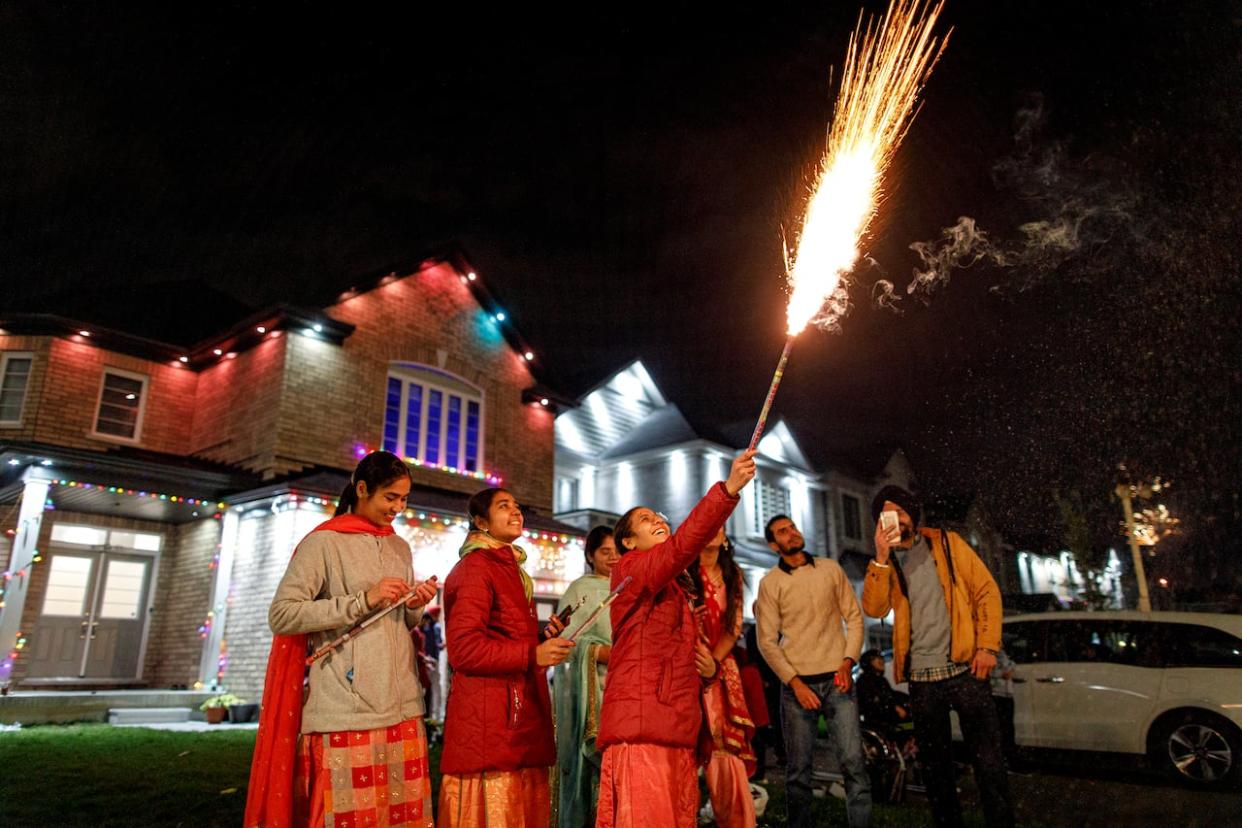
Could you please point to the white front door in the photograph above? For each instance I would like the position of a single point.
(92, 623)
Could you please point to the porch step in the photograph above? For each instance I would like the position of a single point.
(147, 715)
(64, 706)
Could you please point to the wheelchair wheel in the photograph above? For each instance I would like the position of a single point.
(884, 765)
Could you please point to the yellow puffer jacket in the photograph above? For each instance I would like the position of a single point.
(970, 593)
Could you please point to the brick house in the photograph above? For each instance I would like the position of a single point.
(152, 492)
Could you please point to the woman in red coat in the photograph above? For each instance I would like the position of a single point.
(498, 739)
(651, 716)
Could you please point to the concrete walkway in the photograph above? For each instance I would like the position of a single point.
(194, 727)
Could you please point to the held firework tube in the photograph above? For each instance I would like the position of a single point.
(360, 626)
(767, 403)
(603, 605)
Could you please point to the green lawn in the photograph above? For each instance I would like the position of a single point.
(103, 776)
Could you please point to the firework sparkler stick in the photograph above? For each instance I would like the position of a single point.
(776, 383)
(886, 65)
(603, 605)
(358, 628)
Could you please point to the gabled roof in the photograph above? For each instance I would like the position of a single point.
(179, 313)
(627, 414)
(779, 444)
(191, 319)
(609, 412)
(664, 427)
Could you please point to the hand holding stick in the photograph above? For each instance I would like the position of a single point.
(423, 591)
(612, 596)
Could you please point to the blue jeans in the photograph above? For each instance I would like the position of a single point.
(799, 727)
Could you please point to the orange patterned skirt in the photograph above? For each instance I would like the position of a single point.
(496, 799)
(648, 786)
(364, 778)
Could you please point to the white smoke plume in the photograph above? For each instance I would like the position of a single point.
(1079, 204)
(833, 310)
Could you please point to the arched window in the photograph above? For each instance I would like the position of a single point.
(433, 416)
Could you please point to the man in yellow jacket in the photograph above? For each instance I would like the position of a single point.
(946, 633)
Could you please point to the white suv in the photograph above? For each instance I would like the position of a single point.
(1164, 684)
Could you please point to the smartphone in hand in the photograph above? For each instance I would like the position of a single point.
(889, 522)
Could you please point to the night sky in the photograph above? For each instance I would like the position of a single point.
(623, 182)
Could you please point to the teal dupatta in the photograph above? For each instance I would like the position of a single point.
(579, 685)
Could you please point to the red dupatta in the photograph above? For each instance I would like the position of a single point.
(269, 797)
(737, 728)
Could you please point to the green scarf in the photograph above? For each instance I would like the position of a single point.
(478, 539)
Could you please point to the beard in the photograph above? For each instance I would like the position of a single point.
(794, 550)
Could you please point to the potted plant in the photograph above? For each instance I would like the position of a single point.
(217, 706)
(243, 712)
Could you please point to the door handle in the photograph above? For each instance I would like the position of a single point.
(1051, 680)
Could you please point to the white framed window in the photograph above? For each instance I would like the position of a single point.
(433, 416)
(767, 501)
(123, 589)
(122, 401)
(67, 586)
(14, 378)
(74, 534)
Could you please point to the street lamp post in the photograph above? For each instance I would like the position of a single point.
(1123, 492)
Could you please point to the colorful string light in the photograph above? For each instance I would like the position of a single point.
(121, 490)
(361, 451)
(486, 477)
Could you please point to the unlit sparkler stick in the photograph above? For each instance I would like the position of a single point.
(776, 383)
(358, 628)
(603, 605)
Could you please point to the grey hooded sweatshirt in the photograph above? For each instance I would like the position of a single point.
(370, 681)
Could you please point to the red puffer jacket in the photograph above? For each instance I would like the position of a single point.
(652, 693)
(499, 715)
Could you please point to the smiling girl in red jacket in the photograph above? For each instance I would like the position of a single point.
(498, 739)
(651, 715)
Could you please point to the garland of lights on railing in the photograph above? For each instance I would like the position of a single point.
(485, 476)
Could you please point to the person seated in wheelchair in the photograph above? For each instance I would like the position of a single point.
(881, 707)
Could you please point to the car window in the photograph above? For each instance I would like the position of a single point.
(1105, 642)
(1024, 641)
(1128, 642)
(1069, 640)
(1196, 645)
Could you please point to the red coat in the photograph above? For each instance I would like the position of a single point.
(499, 715)
(652, 692)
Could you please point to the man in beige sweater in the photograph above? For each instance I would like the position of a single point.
(810, 631)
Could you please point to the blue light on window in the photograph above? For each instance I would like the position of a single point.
(392, 414)
(435, 401)
(472, 436)
(413, 419)
(452, 448)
